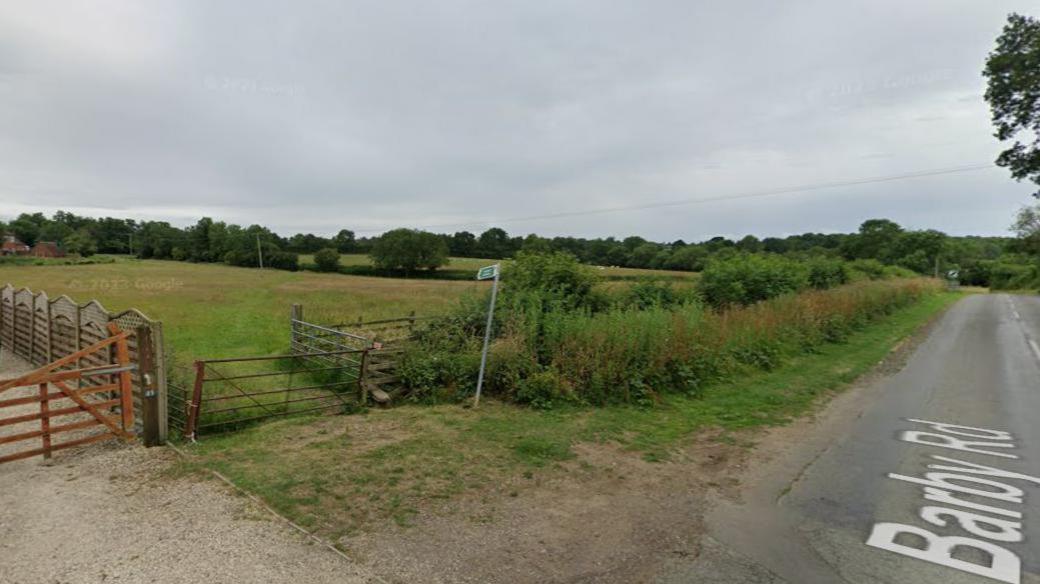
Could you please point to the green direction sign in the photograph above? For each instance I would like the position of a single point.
(487, 272)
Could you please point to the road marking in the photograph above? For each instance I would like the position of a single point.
(1036, 348)
(947, 484)
(1014, 309)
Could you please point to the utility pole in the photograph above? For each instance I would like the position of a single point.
(259, 251)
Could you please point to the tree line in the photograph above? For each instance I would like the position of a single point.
(883, 240)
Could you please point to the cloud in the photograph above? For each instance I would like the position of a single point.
(320, 115)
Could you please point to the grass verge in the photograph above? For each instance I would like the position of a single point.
(338, 475)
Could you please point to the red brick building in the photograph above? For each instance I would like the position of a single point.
(47, 249)
(11, 246)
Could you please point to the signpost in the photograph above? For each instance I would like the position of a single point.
(486, 273)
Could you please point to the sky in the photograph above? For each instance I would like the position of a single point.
(533, 116)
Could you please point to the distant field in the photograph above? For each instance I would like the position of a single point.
(457, 266)
(213, 310)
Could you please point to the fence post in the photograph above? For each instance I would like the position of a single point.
(161, 387)
(32, 328)
(295, 315)
(45, 421)
(361, 377)
(151, 434)
(191, 427)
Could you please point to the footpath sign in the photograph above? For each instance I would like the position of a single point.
(486, 273)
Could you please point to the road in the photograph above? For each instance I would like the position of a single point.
(861, 475)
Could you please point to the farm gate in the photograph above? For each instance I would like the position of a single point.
(43, 330)
(82, 408)
(380, 339)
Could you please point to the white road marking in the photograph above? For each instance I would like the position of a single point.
(980, 532)
(1036, 348)
(1014, 309)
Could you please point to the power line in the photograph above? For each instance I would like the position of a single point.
(683, 202)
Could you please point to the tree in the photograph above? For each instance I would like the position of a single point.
(920, 250)
(81, 242)
(408, 250)
(463, 244)
(25, 229)
(1013, 91)
(750, 244)
(877, 238)
(494, 243)
(327, 260)
(1027, 228)
(344, 241)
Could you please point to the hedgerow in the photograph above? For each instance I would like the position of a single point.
(549, 349)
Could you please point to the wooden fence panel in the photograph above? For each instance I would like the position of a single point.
(41, 330)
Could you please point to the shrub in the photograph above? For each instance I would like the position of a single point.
(649, 293)
(746, 279)
(282, 260)
(557, 275)
(1009, 276)
(327, 260)
(869, 269)
(542, 390)
(827, 273)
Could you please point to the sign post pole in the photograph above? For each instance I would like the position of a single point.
(486, 274)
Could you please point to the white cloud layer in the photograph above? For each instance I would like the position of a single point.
(316, 116)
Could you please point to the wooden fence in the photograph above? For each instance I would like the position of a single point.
(41, 330)
(36, 407)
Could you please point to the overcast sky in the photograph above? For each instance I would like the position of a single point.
(317, 116)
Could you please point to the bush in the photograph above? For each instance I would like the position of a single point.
(541, 390)
(827, 273)
(869, 269)
(282, 260)
(558, 275)
(746, 279)
(654, 293)
(1009, 276)
(327, 260)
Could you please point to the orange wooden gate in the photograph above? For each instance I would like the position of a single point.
(98, 388)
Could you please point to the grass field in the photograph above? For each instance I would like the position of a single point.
(213, 310)
(337, 475)
(464, 268)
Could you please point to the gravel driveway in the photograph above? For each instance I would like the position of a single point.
(115, 513)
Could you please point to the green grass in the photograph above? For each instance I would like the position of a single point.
(213, 310)
(341, 474)
(466, 269)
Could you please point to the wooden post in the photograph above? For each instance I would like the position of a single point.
(45, 421)
(411, 323)
(149, 387)
(79, 340)
(196, 401)
(126, 386)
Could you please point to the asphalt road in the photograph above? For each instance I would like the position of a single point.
(830, 510)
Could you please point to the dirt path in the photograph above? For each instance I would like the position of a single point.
(115, 513)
